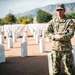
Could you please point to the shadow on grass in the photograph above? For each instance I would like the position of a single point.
(31, 65)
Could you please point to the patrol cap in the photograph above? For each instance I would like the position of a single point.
(60, 7)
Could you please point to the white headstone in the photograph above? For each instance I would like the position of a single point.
(40, 32)
(74, 55)
(1, 39)
(14, 37)
(26, 28)
(43, 34)
(19, 31)
(50, 63)
(34, 34)
(25, 37)
(37, 38)
(42, 46)
(2, 54)
(2, 31)
(17, 34)
(24, 49)
(7, 35)
(10, 43)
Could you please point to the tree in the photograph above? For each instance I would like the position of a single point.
(30, 19)
(71, 16)
(43, 16)
(2, 22)
(19, 19)
(25, 21)
(10, 19)
(22, 19)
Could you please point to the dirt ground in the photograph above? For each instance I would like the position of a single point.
(35, 63)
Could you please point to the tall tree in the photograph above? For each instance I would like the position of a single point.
(10, 19)
(43, 16)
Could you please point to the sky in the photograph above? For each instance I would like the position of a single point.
(19, 6)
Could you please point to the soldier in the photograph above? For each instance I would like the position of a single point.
(61, 30)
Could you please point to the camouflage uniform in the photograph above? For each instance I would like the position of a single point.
(62, 50)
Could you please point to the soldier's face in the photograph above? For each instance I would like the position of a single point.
(60, 13)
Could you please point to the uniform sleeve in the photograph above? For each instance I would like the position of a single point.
(50, 31)
(70, 33)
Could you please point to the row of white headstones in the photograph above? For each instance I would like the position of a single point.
(36, 30)
(12, 32)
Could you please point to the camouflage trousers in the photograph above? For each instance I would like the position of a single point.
(67, 59)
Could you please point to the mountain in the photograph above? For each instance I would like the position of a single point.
(27, 13)
(70, 8)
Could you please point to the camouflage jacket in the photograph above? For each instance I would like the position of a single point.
(61, 27)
